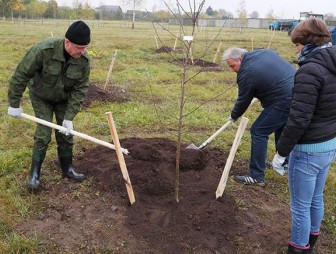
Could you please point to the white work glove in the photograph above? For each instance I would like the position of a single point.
(231, 119)
(69, 127)
(15, 112)
(277, 164)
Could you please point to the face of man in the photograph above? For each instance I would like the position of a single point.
(74, 50)
(234, 64)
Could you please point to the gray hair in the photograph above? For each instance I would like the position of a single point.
(233, 53)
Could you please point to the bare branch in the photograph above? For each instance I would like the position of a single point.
(177, 18)
(181, 7)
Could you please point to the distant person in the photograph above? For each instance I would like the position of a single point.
(56, 72)
(265, 75)
(309, 136)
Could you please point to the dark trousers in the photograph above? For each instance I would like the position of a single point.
(45, 110)
(271, 120)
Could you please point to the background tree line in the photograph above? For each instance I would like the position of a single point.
(39, 9)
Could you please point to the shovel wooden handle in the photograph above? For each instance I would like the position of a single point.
(75, 133)
(213, 136)
(120, 156)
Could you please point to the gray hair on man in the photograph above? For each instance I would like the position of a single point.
(233, 53)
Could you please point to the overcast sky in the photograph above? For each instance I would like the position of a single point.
(282, 8)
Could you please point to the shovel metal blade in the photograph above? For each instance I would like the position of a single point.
(192, 146)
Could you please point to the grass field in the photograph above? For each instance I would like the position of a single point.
(153, 81)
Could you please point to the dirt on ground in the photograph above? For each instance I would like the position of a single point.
(206, 65)
(164, 49)
(95, 216)
(112, 93)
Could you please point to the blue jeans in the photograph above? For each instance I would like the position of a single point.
(307, 174)
(271, 120)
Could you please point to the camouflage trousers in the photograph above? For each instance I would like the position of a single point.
(46, 110)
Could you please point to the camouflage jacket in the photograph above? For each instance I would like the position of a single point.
(46, 73)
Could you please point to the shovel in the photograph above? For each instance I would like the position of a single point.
(75, 133)
(213, 136)
(206, 142)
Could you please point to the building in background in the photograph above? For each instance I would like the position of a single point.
(107, 12)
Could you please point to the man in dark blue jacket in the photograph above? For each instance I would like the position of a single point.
(265, 75)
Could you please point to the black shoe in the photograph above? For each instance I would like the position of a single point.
(249, 180)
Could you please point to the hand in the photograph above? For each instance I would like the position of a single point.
(69, 127)
(277, 164)
(231, 119)
(15, 112)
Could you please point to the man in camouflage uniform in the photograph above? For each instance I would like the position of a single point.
(56, 72)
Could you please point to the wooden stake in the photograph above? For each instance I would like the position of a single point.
(120, 156)
(177, 36)
(236, 142)
(270, 42)
(252, 43)
(191, 53)
(110, 70)
(156, 41)
(216, 54)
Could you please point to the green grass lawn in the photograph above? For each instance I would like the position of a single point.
(153, 81)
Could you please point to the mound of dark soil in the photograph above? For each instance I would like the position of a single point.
(206, 65)
(111, 94)
(164, 49)
(95, 216)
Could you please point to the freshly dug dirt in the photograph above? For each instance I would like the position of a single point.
(111, 94)
(206, 65)
(164, 49)
(95, 216)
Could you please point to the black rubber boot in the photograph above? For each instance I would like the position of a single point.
(295, 250)
(34, 178)
(68, 170)
(312, 242)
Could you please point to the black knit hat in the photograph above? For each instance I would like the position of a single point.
(78, 33)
